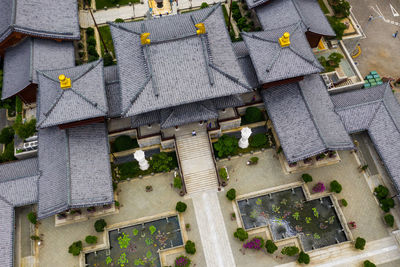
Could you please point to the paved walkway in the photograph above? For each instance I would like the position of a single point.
(214, 238)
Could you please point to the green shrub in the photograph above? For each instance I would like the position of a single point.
(108, 60)
(25, 130)
(178, 182)
(91, 41)
(360, 243)
(344, 202)
(162, 162)
(369, 264)
(303, 258)
(223, 174)
(6, 135)
(336, 187)
(203, 5)
(226, 145)
(116, 203)
(119, 20)
(92, 58)
(337, 26)
(341, 8)
(258, 140)
(92, 51)
(330, 63)
(389, 219)
(271, 247)
(8, 154)
(231, 194)
(290, 251)
(180, 206)
(381, 192)
(99, 225)
(128, 169)
(124, 142)
(242, 23)
(89, 31)
(76, 248)
(306, 177)
(252, 115)
(386, 204)
(91, 239)
(35, 237)
(241, 234)
(190, 247)
(254, 160)
(32, 217)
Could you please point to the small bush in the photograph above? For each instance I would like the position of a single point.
(32, 217)
(271, 247)
(162, 162)
(258, 140)
(92, 51)
(108, 60)
(35, 237)
(381, 192)
(344, 202)
(290, 251)
(124, 142)
(369, 264)
(25, 130)
(6, 135)
(8, 154)
(254, 160)
(178, 182)
(341, 8)
(226, 145)
(319, 187)
(91, 41)
(89, 31)
(223, 174)
(116, 203)
(91, 239)
(231, 194)
(180, 206)
(203, 5)
(76, 248)
(241, 234)
(306, 178)
(99, 225)
(242, 23)
(119, 20)
(336, 187)
(190, 247)
(389, 219)
(252, 115)
(337, 26)
(303, 258)
(386, 204)
(360, 243)
(256, 243)
(93, 58)
(182, 261)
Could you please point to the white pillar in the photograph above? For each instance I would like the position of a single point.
(139, 156)
(244, 141)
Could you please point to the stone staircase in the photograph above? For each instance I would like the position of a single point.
(197, 163)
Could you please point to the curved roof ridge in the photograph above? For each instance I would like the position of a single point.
(132, 100)
(46, 114)
(234, 79)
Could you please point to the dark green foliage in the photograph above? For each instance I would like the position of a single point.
(6, 135)
(245, 7)
(242, 23)
(35, 237)
(180, 206)
(25, 130)
(81, 54)
(381, 192)
(344, 202)
(223, 174)
(90, 32)
(91, 239)
(236, 15)
(119, 20)
(241, 234)
(203, 5)
(290, 251)
(226, 145)
(306, 177)
(162, 162)
(336, 187)
(337, 26)
(129, 169)
(32, 217)
(303, 258)
(76, 248)
(386, 204)
(258, 140)
(389, 219)
(123, 143)
(254, 160)
(248, 14)
(231, 194)
(80, 45)
(92, 51)
(369, 264)
(332, 62)
(116, 203)
(252, 115)
(360, 243)
(190, 247)
(271, 247)
(8, 154)
(178, 182)
(91, 41)
(108, 60)
(99, 225)
(341, 8)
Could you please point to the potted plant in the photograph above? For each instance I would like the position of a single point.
(91, 209)
(233, 216)
(252, 161)
(307, 160)
(352, 225)
(187, 226)
(149, 188)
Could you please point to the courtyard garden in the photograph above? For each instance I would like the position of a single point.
(101, 4)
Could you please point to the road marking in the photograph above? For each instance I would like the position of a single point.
(395, 13)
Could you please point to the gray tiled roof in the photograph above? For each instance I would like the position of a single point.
(23, 60)
(45, 18)
(255, 3)
(243, 56)
(147, 118)
(86, 98)
(113, 93)
(273, 62)
(377, 111)
(287, 12)
(228, 102)
(304, 120)
(18, 187)
(179, 66)
(75, 168)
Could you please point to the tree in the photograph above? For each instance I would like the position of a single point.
(241, 234)
(89, 31)
(91, 239)
(337, 26)
(231, 194)
(258, 140)
(341, 8)
(76, 248)
(226, 145)
(6, 135)
(386, 204)
(252, 115)
(290, 251)
(271, 247)
(306, 178)
(99, 225)
(360, 243)
(389, 219)
(8, 154)
(303, 258)
(32, 217)
(180, 206)
(25, 130)
(381, 192)
(161, 162)
(91, 41)
(123, 142)
(190, 247)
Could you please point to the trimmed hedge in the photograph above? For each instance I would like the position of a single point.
(91, 239)
(386, 204)
(389, 219)
(344, 202)
(231, 194)
(381, 192)
(241, 234)
(270, 246)
(360, 243)
(123, 143)
(258, 140)
(304, 258)
(32, 217)
(223, 174)
(290, 251)
(226, 146)
(336, 187)
(76, 248)
(181, 206)
(252, 115)
(190, 247)
(306, 177)
(99, 225)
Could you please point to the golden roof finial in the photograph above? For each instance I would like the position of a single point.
(285, 39)
(201, 28)
(64, 81)
(144, 38)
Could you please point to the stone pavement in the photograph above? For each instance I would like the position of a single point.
(216, 247)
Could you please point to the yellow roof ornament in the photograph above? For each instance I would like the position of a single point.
(144, 38)
(201, 28)
(65, 82)
(285, 39)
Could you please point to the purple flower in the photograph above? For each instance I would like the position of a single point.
(319, 187)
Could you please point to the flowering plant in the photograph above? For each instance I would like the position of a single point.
(256, 243)
(318, 188)
(182, 261)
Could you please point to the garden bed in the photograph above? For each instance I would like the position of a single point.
(100, 4)
(105, 33)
